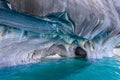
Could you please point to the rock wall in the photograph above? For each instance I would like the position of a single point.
(80, 11)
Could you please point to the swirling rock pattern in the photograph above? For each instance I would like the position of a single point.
(93, 25)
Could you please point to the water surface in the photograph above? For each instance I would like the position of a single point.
(65, 69)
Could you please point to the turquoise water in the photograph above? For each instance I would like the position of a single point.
(65, 69)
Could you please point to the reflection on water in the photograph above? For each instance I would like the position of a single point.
(65, 69)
